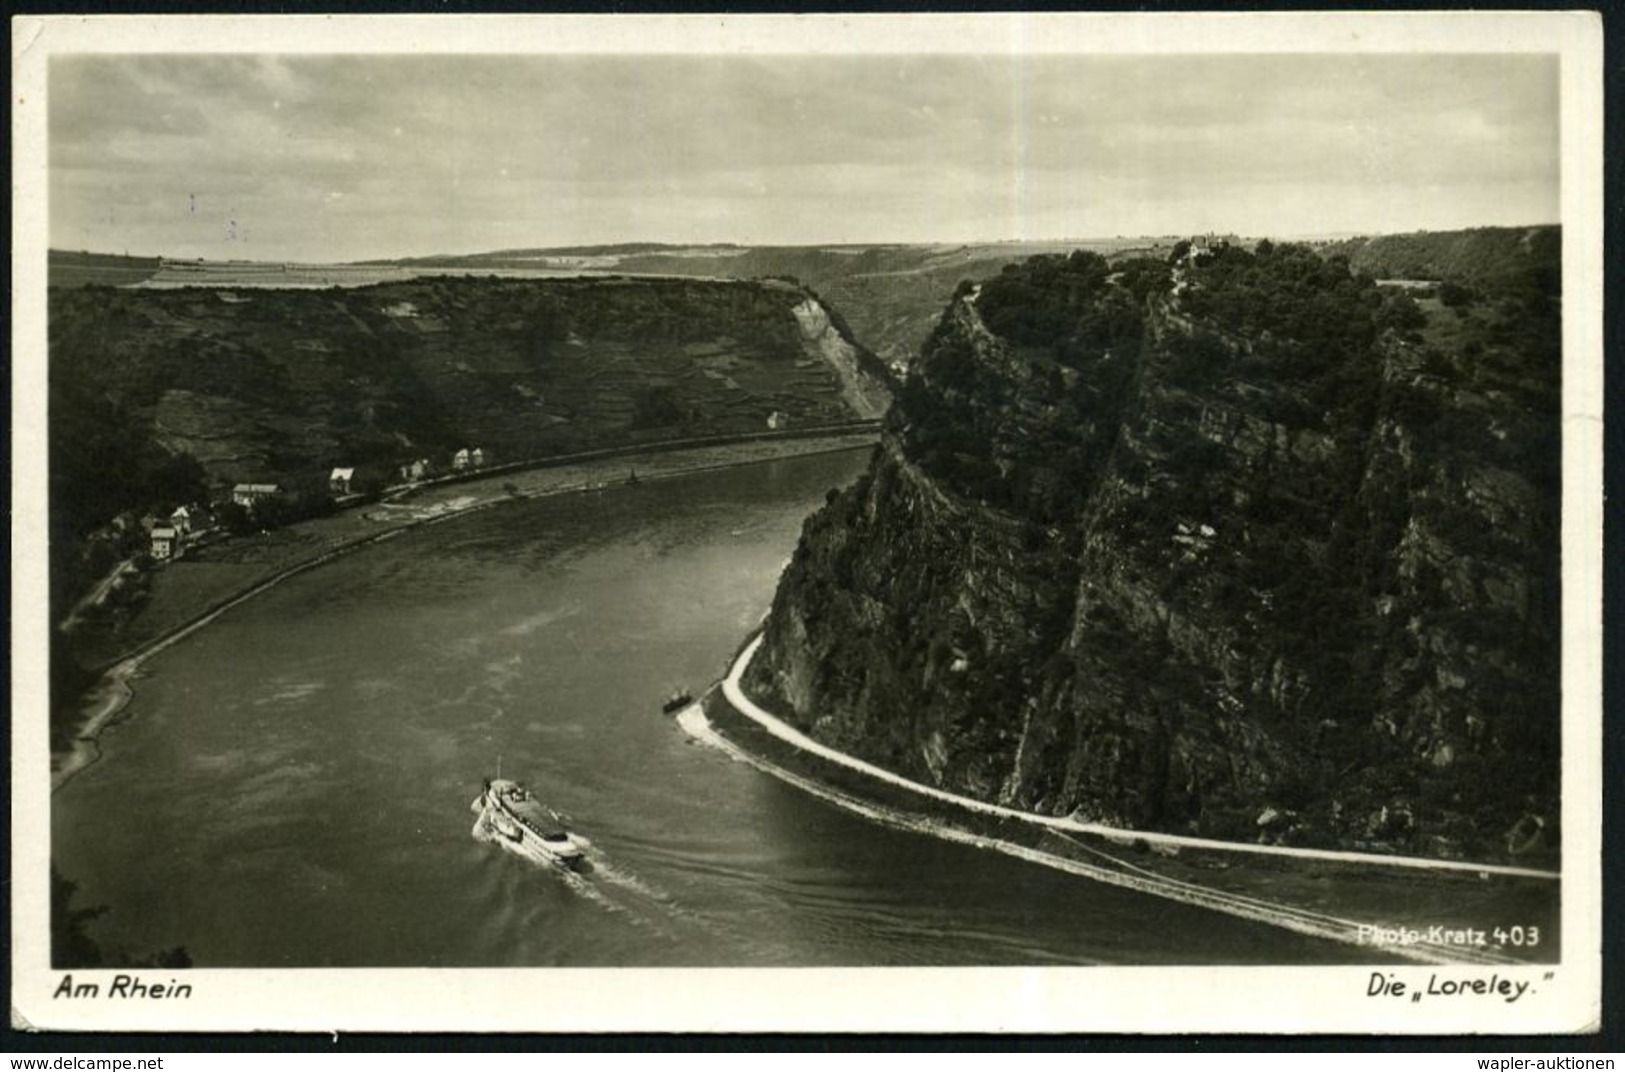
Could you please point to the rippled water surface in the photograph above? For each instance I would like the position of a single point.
(292, 786)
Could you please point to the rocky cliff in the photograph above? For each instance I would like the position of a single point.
(1244, 547)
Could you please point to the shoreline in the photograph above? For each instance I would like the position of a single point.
(103, 705)
(1313, 892)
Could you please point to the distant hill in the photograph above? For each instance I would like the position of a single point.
(65, 269)
(1495, 258)
(518, 257)
(266, 383)
(890, 295)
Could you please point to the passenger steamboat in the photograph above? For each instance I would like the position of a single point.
(511, 816)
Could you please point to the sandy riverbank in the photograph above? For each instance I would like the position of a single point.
(191, 592)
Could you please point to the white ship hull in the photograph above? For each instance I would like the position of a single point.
(515, 824)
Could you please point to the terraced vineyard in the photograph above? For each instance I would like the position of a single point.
(280, 384)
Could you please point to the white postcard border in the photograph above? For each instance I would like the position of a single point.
(1563, 998)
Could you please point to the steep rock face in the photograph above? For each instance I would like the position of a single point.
(862, 390)
(1267, 554)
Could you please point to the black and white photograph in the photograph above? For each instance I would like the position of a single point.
(1016, 513)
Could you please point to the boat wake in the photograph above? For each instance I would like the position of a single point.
(579, 882)
(642, 901)
(608, 874)
(604, 884)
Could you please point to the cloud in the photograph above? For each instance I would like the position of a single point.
(352, 156)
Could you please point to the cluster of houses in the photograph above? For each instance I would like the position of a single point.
(169, 536)
(465, 460)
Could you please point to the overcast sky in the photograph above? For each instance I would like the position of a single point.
(327, 158)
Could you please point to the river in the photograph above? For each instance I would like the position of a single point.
(291, 784)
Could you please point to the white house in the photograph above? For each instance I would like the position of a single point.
(460, 459)
(778, 419)
(338, 482)
(181, 521)
(166, 543)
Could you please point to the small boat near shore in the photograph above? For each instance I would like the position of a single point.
(510, 815)
(676, 702)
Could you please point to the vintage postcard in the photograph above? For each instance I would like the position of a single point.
(1033, 523)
